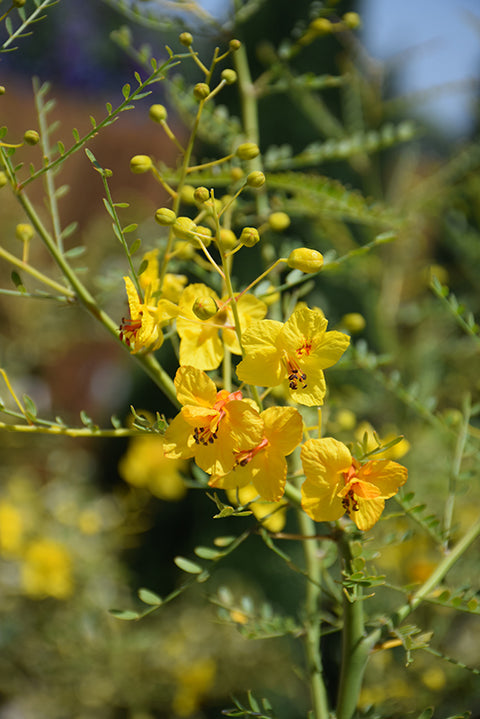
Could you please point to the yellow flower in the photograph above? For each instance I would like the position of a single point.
(271, 515)
(395, 452)
(141, 331)
(47, 570)
(265, 465)
(336, 483)
(202, 341)
(172, 286)
(145, 465)
(211, 424)
(297, 351)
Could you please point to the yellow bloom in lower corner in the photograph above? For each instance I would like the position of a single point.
(296, 352)
(336, 483)
(144, 465)
(47, 570)
(265, 465)
(211, 424)
(11, 529)
(271, 515)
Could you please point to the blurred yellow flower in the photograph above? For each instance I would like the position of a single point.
(337, 483)
(144, 465)
(395, 452)
(194, 681)
(172, 286)
(296, 352)
(11, 529)
(47, 570)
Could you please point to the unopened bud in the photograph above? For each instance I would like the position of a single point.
(2, 90)
(247, 151)
(204, 234)
(230, 76)
(305, 260)
(24, 232)
(31, 137)
(255, 179)
(321, 26)
(352, 20)
(249, 236)
(3, 179)
(158, 113)
(353, 322)
(165, 216)
(201, 91)
(228, 239)
(201, 195)
(205, 308)
(19, 3)
(279, 221)
(186, 38)
(140, 164)
(234, 44)
(183, 228)
(236, 173)
(187, 194)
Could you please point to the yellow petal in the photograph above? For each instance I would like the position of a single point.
(202, 349)
(368, 513)
(133, 298)
(324, 459)
(385, 474)
(195, 387)
(321, 502)
(262, 363)
(269, 476)
(283, 428)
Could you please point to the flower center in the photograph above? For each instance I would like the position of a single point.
(208, 434)
(304, 349)
(244, 456)
(349, 501)
(129, 329)
(296, 377)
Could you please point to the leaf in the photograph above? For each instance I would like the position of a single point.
(130, 228)
(30, 406)
(149, 597)
(187, 566)
(136, 246)
(208, 553)
(125, 614)
(126, 91)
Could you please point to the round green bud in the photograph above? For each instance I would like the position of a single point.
(158, 113)
(249, 236)
(230, 76)
(165, 216)
(234, 44)
(31, 137)
(19, 3)
(321, 26)
(352, 20)
(255, 179)
(201, 91)
(305, 260)
(236, 173)
(187, 194)
(247, 151)
(204, 234)
(201, 195)
(228, 239)
(205, 308)
(2, 90)
(186, 39)
(24, 232)
(140, 164)
(353, 322)
(184, 228)
(3, 179)
(279, 221)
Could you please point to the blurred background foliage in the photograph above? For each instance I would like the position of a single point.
(85, 523)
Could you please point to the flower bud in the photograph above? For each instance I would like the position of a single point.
(205, 308)
(165, 216)
(140, 164)
(346, 419)
(2, 90)
(249, 236)
(230, 76)
(255, 179)
(279, 221)
(187, 194)
(158, 113)
(236, 173)
(183, 228)
(228, 239)
(201, 195)
(3, 179)
(352, 20)
(353, 322)
(247, 151)
(24, 232)
(201, 91)
(305, 260)
(19, 3)
(204, 234)
(186, 39)
(234, 44)
(321, 26)
(31, 137)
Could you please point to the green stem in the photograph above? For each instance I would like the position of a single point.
(356, 646)
(36, 274)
